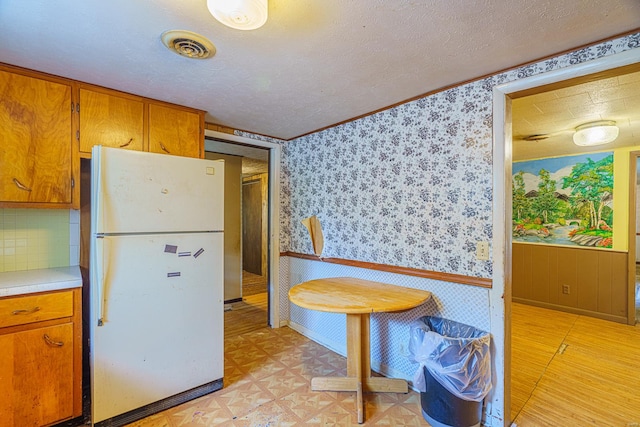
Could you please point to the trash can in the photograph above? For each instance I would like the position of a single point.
(454, 374)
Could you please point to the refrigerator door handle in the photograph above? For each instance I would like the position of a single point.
(96, 197)
(99, 277)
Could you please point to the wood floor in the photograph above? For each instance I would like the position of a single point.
(253, 284)
(571, 370)
(251, 313)
(247, 315)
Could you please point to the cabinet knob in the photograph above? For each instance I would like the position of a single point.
(164, 148)
(51, 342)
(127, 143)
(20, 185)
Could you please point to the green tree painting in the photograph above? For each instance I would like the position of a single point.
(546, 204)
(521, 204)
(564, 201)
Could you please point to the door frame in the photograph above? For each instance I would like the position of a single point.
(500, 293)
(634, 156)
(273, 244)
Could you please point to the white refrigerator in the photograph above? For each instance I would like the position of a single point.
(156, 290)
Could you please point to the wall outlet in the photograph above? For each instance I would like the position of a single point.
(566, 289)
(482, 251)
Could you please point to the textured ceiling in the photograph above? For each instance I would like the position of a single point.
(313, 64)
(557, 113)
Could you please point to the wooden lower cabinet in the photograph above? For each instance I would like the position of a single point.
(40, 364)
(36, 368)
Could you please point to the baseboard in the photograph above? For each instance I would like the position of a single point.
(572, 310)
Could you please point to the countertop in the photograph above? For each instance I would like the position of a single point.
(42, 280)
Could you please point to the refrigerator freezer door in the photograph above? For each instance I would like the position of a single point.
(162, 330)
(138, 192)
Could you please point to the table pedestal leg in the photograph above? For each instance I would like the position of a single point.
(359, 377)
(358, 355)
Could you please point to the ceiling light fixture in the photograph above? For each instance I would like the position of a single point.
(596, 133)
(239, 14)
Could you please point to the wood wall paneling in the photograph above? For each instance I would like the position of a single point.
(567, 275)
(540, 273)
(604, 279)
(596, 279)
(517, 268)
(587, 269)
(619, 288)
(528, 270)
(554, 286)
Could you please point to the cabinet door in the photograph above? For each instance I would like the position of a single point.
(174, 131)
(35, 141)
(36, 376)
(110, 120)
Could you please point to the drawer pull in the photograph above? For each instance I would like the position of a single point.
(30, 311)
(164, 148)
(126, 143)
(51, 342)
(20, 185)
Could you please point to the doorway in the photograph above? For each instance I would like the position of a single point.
(502, 278)
(634, 231)
(255, 196)
(250, 297)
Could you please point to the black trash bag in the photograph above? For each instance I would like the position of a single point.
(456, 355)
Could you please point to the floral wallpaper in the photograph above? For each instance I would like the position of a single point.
(409, 186)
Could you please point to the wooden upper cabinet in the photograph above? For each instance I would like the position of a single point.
(36, 131)
(111, 120)
(174, 130)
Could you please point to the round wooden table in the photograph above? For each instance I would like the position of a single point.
(356, 298)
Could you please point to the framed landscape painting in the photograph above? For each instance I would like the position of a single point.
(564, 200)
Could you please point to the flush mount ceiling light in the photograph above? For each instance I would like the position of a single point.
(596, 133)
(239, 14)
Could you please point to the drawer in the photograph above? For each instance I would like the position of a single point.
(35, 308)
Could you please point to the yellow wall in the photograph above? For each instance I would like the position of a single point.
(34, 238)
(621, 197)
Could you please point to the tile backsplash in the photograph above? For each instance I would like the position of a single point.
(38, 238)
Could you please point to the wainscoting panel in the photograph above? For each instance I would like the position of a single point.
(577, 280)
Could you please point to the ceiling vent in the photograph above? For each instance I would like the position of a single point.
(189, 44)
